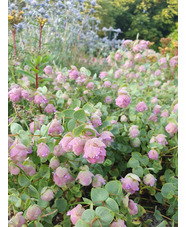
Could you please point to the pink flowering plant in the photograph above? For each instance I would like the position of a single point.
(88, 149)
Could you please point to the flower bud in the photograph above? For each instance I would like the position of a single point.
(33, 212)
(76, 213)
(119, 223)
(85, 177)
(153, 154)
(98, 181)
(62, 176)
(141, 107)
(18, 152)
(65, 142)
(171, 128)
(133, 131)
(18, 220)
(55, 128)
(54, 163)
(47, 194)
(157, 109)
(39, 99)
(50, 108)
(130, 183)
(106, 137)
(123, 101)
(149, 179)
(35, 125)
(43, 150)
(136, 142)
(48, 69)
(123, 118)
(77, 145)
(58, 150)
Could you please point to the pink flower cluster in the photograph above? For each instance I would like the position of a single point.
(130, 183)
(62, 176)
(123, 101)
(130, 205)
(93, 149)
(141, 107)
(76, 213)
(16, 93)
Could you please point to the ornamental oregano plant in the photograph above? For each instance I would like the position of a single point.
(94, 150)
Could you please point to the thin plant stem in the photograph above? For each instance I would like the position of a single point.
(14, 42)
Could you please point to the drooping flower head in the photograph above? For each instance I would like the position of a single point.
(35, 125)
(65, 142)
(43, 150)
(130, 183)
(55, 128)
(47, 194)
(29, 168)
(85, 176)
(119, 223)
(134, 131)
(149, 179)
(153, 117)
(108, 100)
(90, 85)
(61, 176)
(165, 113)
(141, 107)
(77, 145)
(18, 152)
(130, 205)
(94, 151)
(48, 69)
(107, 84)
(98, 181)
(50, 108)
(39, 99)
(76, 213)
(96, 120)
(33, 212)
(123, 101)
(157, 109)
(73, 73)
(18, 220)
(161, 139)
(107, 137)
(15, 94)
(103, 75)
(26, 95)
(153, 154)
(58, 150)
(171, 128)
(54, 163)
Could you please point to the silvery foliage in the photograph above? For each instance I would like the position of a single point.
(69, 24)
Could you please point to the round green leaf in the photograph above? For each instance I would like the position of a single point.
(88, 215)
(112, 205)
(168, 190)
(80, 115)
(15, 128)
(98, 194)
(105, 215)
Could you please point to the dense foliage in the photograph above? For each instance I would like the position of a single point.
(89, 147)
(152, 19)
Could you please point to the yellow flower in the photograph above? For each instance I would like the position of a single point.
(10, 17)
